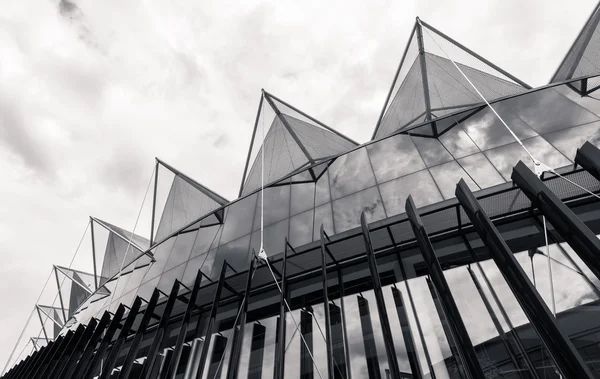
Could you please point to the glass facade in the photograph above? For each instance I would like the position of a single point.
(364, 298)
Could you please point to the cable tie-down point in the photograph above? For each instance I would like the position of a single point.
(539, 168)
(262, 254)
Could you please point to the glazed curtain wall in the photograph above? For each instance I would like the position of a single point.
(552, 122)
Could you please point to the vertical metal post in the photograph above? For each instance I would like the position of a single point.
(183, 329)
(96, 360)
(345, 328)
(160, 333)
(583, 241)
(566, 357)
(211, 321)
(280, 355)
(109, 364)
(67, 348)
(513, 333)
(262, 95)
(411, 351)
(337, 342)
(368, 338)
(383, 316)
(257, 348)
(238, 333)
(154, 203)
(464, 346)
(330, 363)
(496, 322)
(306, 364)
(62, 304)
(215, 367)
(139, 335)
(93, 253)
(75, 369)
(77, 349)
(57, 346)
(42, 323)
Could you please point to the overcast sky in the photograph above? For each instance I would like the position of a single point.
(92, 91)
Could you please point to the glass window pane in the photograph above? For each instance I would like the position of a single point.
(458, 143)
(350, 173)
(322, 192)
(168, 278)
(567, 141)
(161, 255)
(238, 218)
(303, 197)
(432, 151)
(192, 267)
(548, 110)
(181, 250)
(487, 131)
(206, 238)
(235, 253)
(481, 170)
(448, 175)
(506, 157)
(420, 185)
(301, 226)
(347, 210)
(323, 216)
(277, 205)
(394, 157)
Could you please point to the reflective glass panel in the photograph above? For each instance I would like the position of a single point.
(238, 218)
(432, 151)
(447, 175)
(481, 170)
(323, 216)
(303, 197)
(235, 253)
(206, 238)
(394, 157)
(168, 278)
(458, 143)
(322, 191)
(350, 173)
(567, 141)
(161, 255)
(277, 205)
(181, 249)
(347, 210)
(301, 226)
(420, 185)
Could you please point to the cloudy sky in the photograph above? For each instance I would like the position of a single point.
(92, 91)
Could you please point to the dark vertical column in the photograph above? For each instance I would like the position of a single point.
(583, 241)
(337, 342)
(383, 316)
(178, 348)
(109, 364)
(411, 351)
(48, 362)
(497, 325)
(28, 371)
(306, 364)
(101, 351)
(280, 349)
(417, 322)
(257, 351)
(76, 369)
(515, 339)
(277, 341)
(238, 332)
(77, 350)
(20, 367)
(211, 321)
(160, 332)
(456, 357)
(567, 359)
(166, 359)
(464, 347)
(128, 364)
(216, 364)
(344, 325)
(59, 359)
(326, 311)
(588, 157)
(368, 338)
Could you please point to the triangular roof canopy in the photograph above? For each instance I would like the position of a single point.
(292, 140)
(583, 58)
(118, 252)
(186, 202)
(427, 85)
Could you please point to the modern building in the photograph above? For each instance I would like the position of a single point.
(460, 242)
